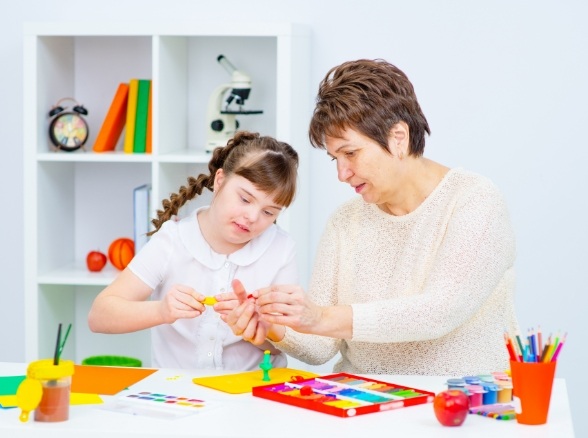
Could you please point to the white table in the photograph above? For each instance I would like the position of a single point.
(246, 416)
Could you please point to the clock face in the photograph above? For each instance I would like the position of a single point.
(68, 131)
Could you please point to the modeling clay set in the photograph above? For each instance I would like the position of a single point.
(343, 395)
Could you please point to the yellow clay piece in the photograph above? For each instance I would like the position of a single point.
(209, 301)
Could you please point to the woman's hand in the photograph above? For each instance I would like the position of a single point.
(288, 305)
(181, 302)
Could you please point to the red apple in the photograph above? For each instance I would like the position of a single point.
(451, 407)
(96, 261)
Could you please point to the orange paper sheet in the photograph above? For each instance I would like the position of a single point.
(241, 383)
(89, 379)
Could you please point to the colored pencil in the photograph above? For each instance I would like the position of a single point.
(558, 349)
(533, 348)
(532, 351)
(509, 347)
(539, 339)
(549, 351)
(544, 353)
(518, 338)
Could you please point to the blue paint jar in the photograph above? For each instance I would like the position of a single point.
(456, 384)
(490, 397)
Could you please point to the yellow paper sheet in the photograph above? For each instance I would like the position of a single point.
(9, 401)
(241, 383)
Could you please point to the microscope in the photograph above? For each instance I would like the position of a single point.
(221, 117)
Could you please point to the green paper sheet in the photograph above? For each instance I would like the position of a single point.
(9, 384)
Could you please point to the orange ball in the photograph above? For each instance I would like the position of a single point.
(120, 252)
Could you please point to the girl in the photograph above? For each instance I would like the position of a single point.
(252, 179)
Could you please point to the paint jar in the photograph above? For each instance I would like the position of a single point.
(56, 383)
(500, 375)
(476, 393)
(456, 384)
(472, 380)
(490, 397)
(504, 390)
(486, 378)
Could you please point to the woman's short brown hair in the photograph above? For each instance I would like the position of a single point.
(368, 96)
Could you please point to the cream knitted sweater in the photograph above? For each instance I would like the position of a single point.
(432, 292)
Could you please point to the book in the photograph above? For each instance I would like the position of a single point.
(149, 140)
(141, 116)
(114, 122)
(141, 207)
(131, 115)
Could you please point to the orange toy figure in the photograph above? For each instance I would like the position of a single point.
(266, 365)
(120, 252)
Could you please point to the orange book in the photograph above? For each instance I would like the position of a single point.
(149, 139)
(114, 122)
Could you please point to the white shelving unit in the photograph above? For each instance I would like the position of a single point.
(79, 201)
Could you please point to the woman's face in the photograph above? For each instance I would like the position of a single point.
(362, 163)
(240, 211)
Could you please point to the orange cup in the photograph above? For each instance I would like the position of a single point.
(532, 383)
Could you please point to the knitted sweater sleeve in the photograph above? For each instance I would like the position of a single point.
(313, 349)
(476, 250)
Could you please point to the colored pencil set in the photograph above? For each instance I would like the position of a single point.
(532, 348)
(497, 411)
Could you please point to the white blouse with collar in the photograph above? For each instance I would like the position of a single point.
(179, 254)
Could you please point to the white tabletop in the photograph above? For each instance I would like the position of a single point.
(246, 416)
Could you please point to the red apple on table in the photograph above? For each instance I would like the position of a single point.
(96, 261)
(451, 407)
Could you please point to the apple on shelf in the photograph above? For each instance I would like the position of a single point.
(451, 407)
(96, 261)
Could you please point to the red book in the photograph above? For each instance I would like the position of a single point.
(114, 122)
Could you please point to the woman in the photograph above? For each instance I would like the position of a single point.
(163, 288)
(414, 276)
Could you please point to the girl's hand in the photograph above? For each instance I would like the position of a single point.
(181, 302)
(225, 303)
(243, 318)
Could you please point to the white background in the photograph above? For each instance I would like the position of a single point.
(503, 84)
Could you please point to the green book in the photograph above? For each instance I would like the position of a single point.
(142, 113)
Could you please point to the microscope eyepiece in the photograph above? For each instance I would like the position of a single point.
(222, 60)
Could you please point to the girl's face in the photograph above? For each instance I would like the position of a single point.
(240, 211)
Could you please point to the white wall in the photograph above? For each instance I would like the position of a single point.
(503, 84)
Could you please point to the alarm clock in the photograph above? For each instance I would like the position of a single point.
(68, 130)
